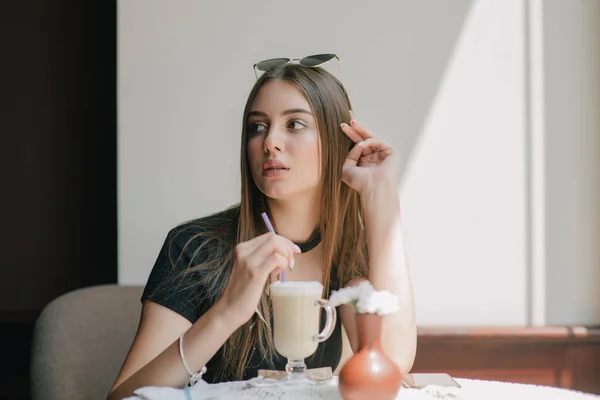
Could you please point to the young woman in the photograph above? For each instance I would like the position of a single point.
(329, 186)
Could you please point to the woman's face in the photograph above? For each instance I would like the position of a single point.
(283, 142)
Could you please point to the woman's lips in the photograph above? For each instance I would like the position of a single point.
(275, 172)
(274, 163)
(274, 168)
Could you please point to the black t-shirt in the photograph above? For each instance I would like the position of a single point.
(168, 287)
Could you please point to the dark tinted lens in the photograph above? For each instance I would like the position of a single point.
(272, 63)
(316, 60)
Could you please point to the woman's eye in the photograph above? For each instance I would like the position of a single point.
(256, 127)
(296, 125)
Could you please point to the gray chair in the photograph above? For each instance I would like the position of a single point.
(80, 341)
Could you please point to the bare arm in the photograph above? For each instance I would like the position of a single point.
(371, 168)
(349, 346)
(388, 270)
(154, 356)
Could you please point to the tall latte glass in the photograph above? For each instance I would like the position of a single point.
(296, 321)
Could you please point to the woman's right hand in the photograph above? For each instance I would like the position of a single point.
(254, 262)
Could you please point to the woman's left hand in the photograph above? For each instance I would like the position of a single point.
(370, 162)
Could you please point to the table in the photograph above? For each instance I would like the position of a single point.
(470, 390)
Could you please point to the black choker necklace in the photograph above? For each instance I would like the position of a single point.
(313, 241)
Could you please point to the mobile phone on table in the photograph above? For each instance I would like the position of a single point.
(421, 379)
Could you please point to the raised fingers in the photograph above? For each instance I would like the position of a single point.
(354, 155)
(351, 133)
(366, 148)
(357, 132)
(362, 130)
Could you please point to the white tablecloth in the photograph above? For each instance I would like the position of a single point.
(470, 390)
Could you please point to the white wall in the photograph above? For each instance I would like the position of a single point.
(572, 120)
(447, 88)
(463, 198)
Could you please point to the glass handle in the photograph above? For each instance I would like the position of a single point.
(330, 322)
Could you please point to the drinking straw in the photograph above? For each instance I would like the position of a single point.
(270, 228)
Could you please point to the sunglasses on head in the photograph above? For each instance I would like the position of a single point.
(310, 61)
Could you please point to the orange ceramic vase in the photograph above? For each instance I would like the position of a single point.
(369, 374)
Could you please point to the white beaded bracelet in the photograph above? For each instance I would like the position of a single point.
(194, 377)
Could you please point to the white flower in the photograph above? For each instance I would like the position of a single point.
(365, 299)
(344, 296)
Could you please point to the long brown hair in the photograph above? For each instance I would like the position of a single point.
(340, 224)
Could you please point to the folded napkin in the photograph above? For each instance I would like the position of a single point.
(274, 389)
(255, 389)
(200, 391)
